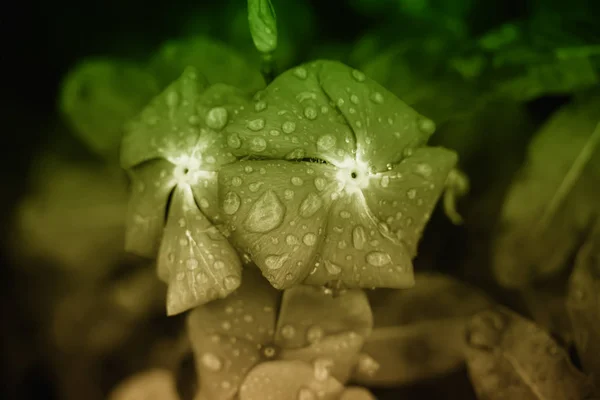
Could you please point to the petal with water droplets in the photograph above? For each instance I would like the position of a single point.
(384, 125)
(151, 186)
(276, 214)
(364, 255)
(195, 257)
(404, 197)
(288, 115)
(277, 380)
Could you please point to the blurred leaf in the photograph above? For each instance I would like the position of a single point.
(551, 203)
(418, 333)
(215, 60)
(153, 384)
(584, 304)
(263, 25)
(511, 358)
(99, 95)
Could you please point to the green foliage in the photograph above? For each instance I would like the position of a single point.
(263, 25)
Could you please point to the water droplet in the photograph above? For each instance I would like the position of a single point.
(310, 113)
(231, 282)
(211, 361)
(236, 181)
(377, 97)
(309, 239)
(274, 262)
(288, 194)
(378, 258)
(359, 237)
(260, 106)
(334, 269)
(203, 202)
(256, 124)
(367, 365)
(310, 205)
(411, 193)
(296, 181)
(265, 214)
(321, 368)
(255, 186)
(385, 181)
(300, 73)
(320, 183)
(326, 142)
(288, 126)
(291, 240)
(288, 331)
(191, 264)
(354, 99)
(231, 203)
(269, 352)
(216, 118)
(424, 170)
(345, 214)
(314, 334)
(234, 141)
(274, 132)
(258, 144)
(358, 75)
(172, 99)
(219, 264)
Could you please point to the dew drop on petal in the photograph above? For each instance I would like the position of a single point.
(310, 205)
(426, 125)
(274, 262)
(424, 170)
(378, 258)
(256, 124)
(354, 99)
(260, 106)
(231, 203)
(297, 181)
(231, 282)
(377, 97)
(359, 237)
(216, 118)
(411, 193)
(191, 264)
(288, 127)
(320, 183)
(291, 240)
(321, 368)
(288, 194)
(300, 73)
(309, 239)
(265, 214)
(334, 269)
(212, 362)
(172, 99)
(310, 113)
(288, 331)
(234, 141)
(385, 181)
(367, 365)
(258, 144)
(314, 334)
(358, 75)
(326, 142)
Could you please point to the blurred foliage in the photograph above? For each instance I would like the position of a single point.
(512, 87)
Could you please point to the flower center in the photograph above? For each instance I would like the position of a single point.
(353, 175)
(189, 171)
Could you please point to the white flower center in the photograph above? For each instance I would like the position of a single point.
(353, 175)
(189, 171)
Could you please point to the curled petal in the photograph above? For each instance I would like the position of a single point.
(276, 211)
(309, 313)
(289, 380)
(152, 183)
(198, 260)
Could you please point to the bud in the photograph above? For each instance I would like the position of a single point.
(263, 25)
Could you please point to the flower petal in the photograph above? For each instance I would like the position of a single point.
(152, 183)
(277, 380)
(151, 384)
(341, 350)
(226, 335)
(385, 127)
(358, 253)
(200, 263)
(276, 211)
(309, 313)
(404, 197)
(293, 118)
(356, 393)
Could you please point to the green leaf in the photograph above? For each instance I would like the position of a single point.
(263, 25)
(583, 304)
(406, 345)
(99, 96)
(554, 198)
(215, 60)
(510, 357)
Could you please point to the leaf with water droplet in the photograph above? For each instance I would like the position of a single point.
(217, 61)
(583, 303)
(285, 380)
(553, 199)
(298, 110)
(221, 329)
(196, 259)
(406, 344)
(280, 219)
(99, 95)
(409, 192)
(510, 357)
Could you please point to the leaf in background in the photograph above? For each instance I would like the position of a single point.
(509, 357)
(419, 333)
(263, 25)
(583, 304)
(550, 204)
(99, 95)
(215, 60)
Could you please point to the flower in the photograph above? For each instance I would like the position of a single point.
(259, 341)
(172, 152)
(337, 185)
